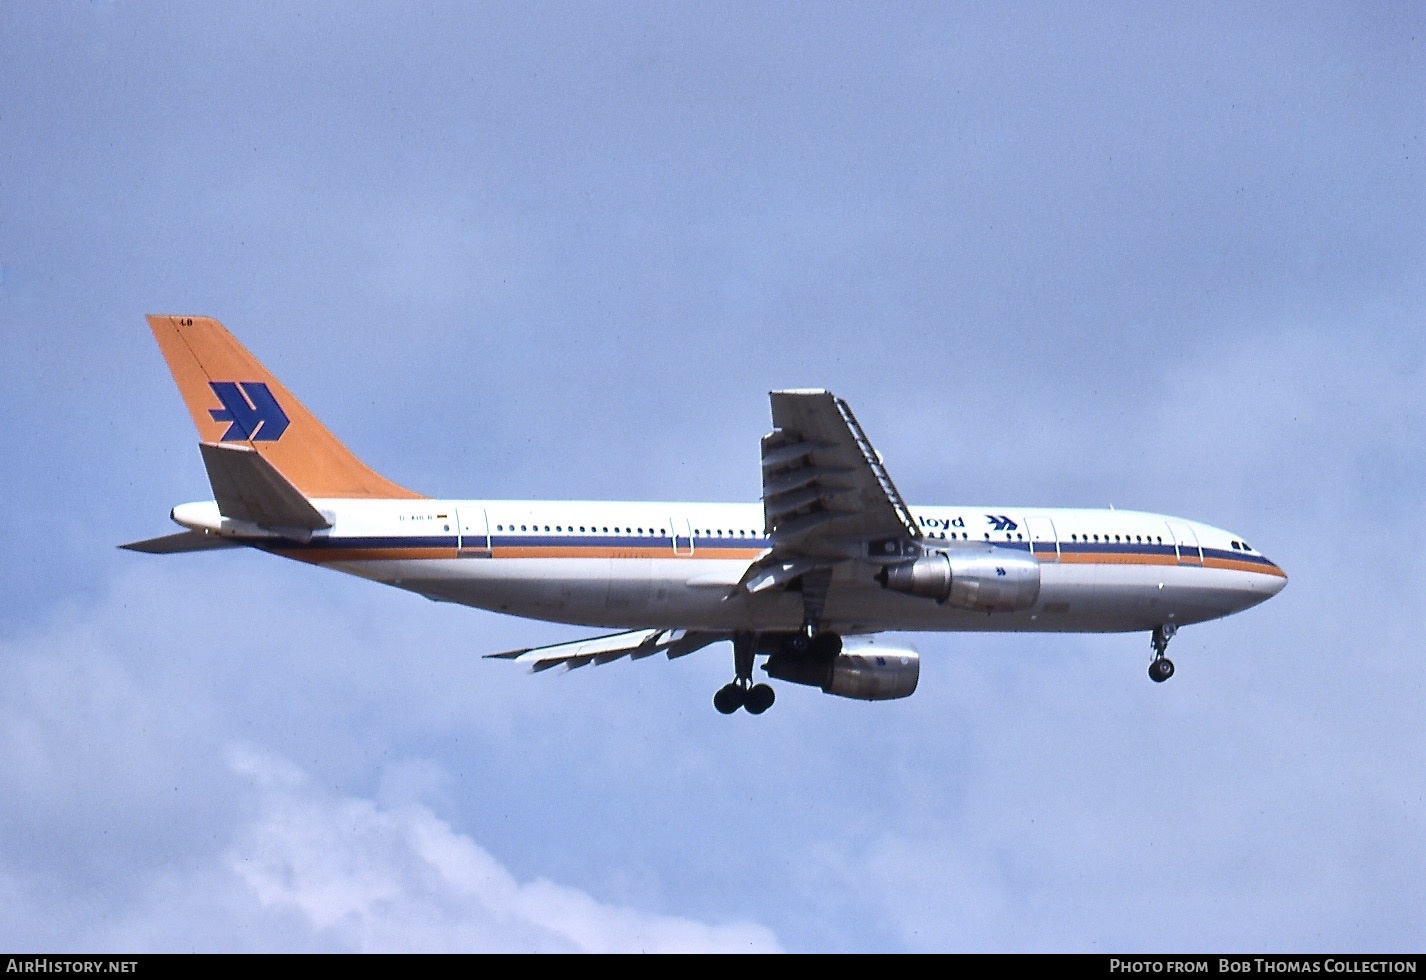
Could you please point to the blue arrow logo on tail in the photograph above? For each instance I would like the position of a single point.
(250, 407)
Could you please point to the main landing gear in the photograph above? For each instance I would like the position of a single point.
(741, 692)
(810, 643)
(1161, 669)
(802, 647)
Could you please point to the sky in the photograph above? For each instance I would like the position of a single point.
(1170, 258)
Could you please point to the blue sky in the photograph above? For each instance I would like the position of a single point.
(1170, 259)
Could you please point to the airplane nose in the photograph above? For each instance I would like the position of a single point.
(1279, 580)
(1258, 587)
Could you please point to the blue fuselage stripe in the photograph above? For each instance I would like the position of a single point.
(602, 543)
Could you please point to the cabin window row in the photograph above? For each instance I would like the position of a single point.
(1127, 539)
(724, 532)
(1141, 539)
(591, 529)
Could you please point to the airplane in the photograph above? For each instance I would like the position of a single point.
(805, 579)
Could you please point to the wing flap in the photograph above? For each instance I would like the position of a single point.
(791, 453)
(830, 498)
(598, 650)
(770, 573)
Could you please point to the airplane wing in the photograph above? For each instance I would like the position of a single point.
(603, 649)
(827, 496)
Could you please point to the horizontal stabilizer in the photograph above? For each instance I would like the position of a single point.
(172, 544)
(249, 488)
(602, 649)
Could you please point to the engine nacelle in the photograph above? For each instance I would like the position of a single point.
(990, 579)
(863, 670)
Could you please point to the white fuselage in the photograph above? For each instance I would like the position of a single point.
(678, 565)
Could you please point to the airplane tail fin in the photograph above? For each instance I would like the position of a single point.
(237, 404)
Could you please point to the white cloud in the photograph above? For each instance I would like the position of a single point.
(143, 805)
(378, 879)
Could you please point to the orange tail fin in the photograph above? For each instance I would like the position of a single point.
(235, 401)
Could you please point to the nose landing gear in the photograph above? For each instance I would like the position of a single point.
(1161, 669)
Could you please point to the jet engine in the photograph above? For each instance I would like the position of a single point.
(864, 670)
(989, 579)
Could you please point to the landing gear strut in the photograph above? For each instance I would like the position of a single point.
(812, 640)
(741, 692)
(1161, 669)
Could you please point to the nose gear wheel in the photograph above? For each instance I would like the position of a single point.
(1161, 668)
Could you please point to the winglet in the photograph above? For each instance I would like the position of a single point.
(236, 402)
